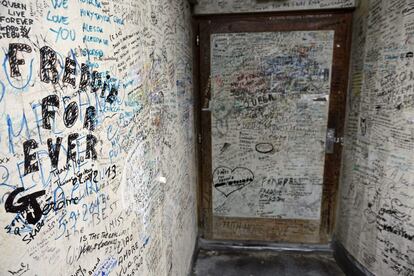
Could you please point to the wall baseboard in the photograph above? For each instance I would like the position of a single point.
(347, 263)
(262, 246)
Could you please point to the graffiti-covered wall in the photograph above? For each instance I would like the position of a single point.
(376, 212)
(238, 6)
(96, 138)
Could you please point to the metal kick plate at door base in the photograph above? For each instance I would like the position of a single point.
(331, 140)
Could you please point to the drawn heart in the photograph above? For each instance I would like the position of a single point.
(228, 181)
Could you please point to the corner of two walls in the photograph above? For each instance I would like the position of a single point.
(97, 170)
(375, 220)
(376, 203)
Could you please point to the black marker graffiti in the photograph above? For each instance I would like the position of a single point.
(27, 205)
(21, 270)
(409, 10)
(90, 121)
(112, 95)
(363, 126)
(48, 71)
(264, 147)
(14, 62)
(31, 166)
(228, 181)
(70, 70)
(71, 114)
(49, 101)
(225, 147)
(50, 104)
(54, 151)
(90, 147)
(71, 154)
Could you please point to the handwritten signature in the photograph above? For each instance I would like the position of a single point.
(23, 269)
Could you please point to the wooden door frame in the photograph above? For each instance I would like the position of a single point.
(203, 25)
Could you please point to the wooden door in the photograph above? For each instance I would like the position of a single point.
(272, 93)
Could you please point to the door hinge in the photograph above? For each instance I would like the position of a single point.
(198, 40)
(199, 138)
(331, 140)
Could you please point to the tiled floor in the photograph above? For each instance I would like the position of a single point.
(257, 263)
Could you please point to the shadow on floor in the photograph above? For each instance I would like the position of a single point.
(253, 263)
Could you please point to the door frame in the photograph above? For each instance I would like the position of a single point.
(339, 20)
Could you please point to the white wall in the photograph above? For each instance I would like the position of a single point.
(125, 203)
(239, 6)
(376, 212)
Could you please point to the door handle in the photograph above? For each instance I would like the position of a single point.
(331, 140)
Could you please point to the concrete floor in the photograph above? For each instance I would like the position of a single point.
(254, 263)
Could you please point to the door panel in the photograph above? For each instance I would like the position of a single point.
(271, 88)
(269, 108)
